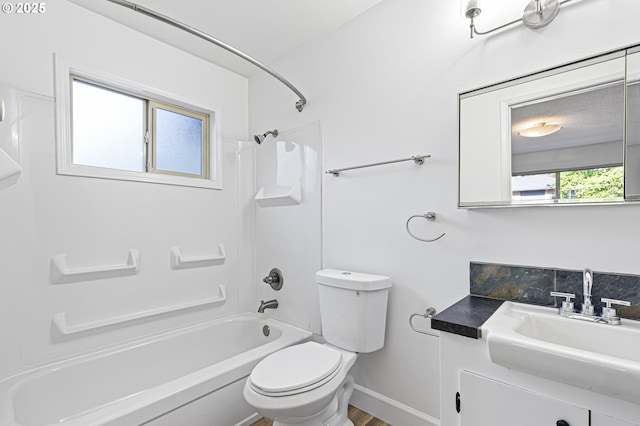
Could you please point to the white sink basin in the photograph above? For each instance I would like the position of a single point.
(536, 340)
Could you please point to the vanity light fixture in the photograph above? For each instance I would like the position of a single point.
(537, 14)
(539, 130)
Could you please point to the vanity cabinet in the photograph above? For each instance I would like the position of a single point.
(484, 401)
(488, 394)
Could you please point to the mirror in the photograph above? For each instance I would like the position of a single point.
(632, 153)
(555, 137)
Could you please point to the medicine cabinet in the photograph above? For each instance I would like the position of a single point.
(567, 135)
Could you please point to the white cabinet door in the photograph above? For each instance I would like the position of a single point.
(598, 419)
(486, 402)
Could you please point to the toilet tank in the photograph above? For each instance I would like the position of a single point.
(353, 309)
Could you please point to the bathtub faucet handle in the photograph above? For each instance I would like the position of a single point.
(274, 279)
(269, 304)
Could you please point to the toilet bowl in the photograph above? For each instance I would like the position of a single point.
(309, 384)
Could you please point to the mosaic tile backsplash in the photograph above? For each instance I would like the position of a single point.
(527, 284)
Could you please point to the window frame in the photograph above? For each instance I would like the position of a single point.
(67, 69)
(152, 165)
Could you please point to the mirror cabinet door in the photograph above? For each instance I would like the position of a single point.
(556, 137)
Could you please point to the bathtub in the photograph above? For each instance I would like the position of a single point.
(192, 376)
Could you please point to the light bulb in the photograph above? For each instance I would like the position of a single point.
(470, 8)
(539, 130)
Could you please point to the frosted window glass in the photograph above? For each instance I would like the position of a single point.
(178, 142)
(107, 128)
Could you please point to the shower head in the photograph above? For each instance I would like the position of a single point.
(260, 138)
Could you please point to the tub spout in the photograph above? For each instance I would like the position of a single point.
(269, 304)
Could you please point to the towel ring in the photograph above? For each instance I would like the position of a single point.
(428, 313)
(430, 216)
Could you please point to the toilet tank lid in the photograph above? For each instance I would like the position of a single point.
(352, 280)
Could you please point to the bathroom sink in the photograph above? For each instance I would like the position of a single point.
(536, 340)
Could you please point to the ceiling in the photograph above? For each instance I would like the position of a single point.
(267, 30)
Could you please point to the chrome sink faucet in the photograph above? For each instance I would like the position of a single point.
(609, 314)
(587, 285)
(269, 304)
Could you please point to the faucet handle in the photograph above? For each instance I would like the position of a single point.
(610, 313)
(567, 304)
(567, 296)
(274, 279)
(610, 302)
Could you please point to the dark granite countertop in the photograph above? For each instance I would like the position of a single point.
(466, 316)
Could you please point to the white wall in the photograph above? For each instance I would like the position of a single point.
(95, 221)
(385, 86)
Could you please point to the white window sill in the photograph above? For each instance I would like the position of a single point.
(103, 173)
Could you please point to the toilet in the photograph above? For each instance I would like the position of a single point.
(309, 384)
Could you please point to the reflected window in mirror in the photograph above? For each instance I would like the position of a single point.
(602, 183)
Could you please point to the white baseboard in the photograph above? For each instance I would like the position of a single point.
(389, 410)
(249, 420)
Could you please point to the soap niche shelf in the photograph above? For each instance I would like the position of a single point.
(60, 272)
(179, 261)
(63, 328)
(287, 197)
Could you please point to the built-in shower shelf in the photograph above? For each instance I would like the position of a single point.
(9, 170)
(61, 273)
(63, 328)
(179, 261)
(287, 197)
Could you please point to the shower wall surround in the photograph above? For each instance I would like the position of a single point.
(530, 284)
(94, 222)
(288, 221)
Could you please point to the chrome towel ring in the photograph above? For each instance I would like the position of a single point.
(430, 216)
(428, 314)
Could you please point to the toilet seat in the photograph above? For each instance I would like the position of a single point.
(296, 369)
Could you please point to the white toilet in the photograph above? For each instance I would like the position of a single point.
(309, 384)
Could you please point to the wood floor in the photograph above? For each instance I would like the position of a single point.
(358, 417)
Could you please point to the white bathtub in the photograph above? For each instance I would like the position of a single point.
(192, 376)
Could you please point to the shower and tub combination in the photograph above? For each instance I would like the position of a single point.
(192, 376)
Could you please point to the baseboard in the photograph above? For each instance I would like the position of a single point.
(389, 410)
(249, 420)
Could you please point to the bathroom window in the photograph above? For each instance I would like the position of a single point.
(119, 130)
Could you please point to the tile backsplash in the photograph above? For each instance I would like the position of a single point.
(529, 284)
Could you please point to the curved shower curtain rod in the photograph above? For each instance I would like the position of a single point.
(163, 18)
